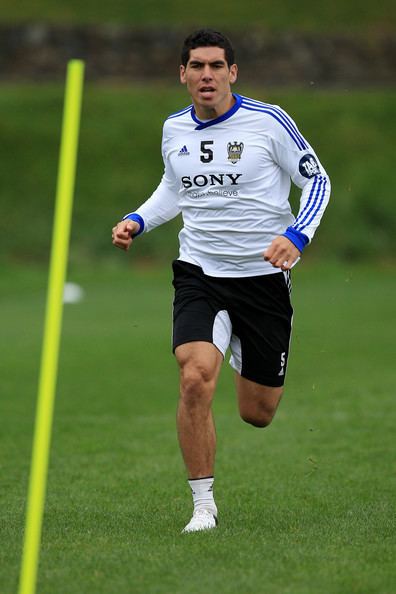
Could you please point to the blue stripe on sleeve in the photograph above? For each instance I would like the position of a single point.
(316, 206)
(308, 204)
(281, 117)
(282, 114)
(179, 113)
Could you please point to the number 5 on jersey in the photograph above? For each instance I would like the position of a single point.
(206, 153)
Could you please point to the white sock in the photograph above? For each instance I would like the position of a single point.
(202, 493)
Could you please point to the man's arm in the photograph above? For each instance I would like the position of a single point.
(162, 206)
(286, 249)
(307, 173)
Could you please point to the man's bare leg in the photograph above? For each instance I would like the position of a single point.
(200, 364)
(257, 403)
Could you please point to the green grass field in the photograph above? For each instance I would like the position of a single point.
(307, 506)
(320, 16)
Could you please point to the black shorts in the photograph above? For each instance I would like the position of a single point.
(251, 315)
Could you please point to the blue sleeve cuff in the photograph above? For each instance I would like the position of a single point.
(138, 219)
(299, 239)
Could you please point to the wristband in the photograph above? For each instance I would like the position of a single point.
(132, 216)
(299, 239)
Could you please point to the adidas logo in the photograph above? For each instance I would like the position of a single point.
(183, 151)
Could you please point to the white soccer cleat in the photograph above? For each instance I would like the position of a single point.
(202, 519)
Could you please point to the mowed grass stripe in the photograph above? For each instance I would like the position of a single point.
(306, 506)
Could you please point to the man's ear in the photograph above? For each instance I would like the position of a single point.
(182, 74)
(233, 73)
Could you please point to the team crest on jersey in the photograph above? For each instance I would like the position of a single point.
(235, 150)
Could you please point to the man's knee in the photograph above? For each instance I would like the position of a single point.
(257, 403)
(199, 365)
(196, 382)
(258, 418)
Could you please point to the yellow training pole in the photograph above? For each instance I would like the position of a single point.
(52, 328)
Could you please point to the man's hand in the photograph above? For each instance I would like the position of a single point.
(282, 253)
(122, 233)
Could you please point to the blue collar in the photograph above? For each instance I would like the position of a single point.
(225, 116)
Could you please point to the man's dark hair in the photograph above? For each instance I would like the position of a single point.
(207, 38)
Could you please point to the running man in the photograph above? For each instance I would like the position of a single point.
(229, 161)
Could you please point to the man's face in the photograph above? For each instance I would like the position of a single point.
(208, 78)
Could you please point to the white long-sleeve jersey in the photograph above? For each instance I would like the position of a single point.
(230, 178)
